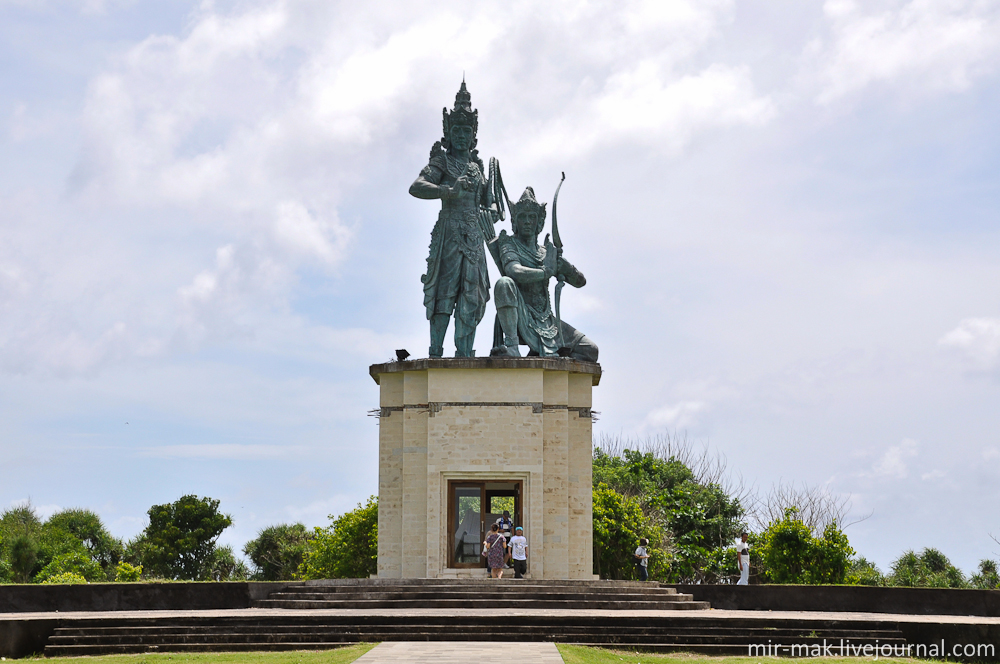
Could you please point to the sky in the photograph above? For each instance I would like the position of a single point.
(788, 214)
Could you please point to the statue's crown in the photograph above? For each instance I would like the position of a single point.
(462, 113)
(528, 202)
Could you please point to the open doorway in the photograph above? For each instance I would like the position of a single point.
(473, 506)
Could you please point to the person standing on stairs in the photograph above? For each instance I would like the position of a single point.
(519, 553)
(743, 559)
(642, 556)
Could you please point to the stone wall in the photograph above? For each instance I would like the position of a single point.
(480, 419)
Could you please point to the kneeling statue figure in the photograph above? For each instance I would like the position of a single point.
(524, 313)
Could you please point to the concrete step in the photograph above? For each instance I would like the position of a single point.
(721, 635)
(498, 603)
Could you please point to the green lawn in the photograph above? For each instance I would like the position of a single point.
(336, 656)
(584, 655)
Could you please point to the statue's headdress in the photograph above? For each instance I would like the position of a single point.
(462, 114)
(528, 202)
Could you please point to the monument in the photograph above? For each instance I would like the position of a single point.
(462, 439)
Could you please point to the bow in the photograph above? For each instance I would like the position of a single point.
(557, 241)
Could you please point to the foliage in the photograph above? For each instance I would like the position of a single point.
(180, 539)
(20, 533)
(65, 578)
(126, 573)
(73, 562)
(930, 569)
(986, 578)
(225, 566)
(278, 551)
(692, 523)
(790, 553)
(86, 527)
(619, 524)
(348, 548)
(862, 572)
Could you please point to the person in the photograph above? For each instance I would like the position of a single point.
(519, 553)
(497, 550)
(524, 312)
(642, 555)
(743, 559)
(456, 282)
(506, 525)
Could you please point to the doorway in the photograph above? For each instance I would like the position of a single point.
(473, 506)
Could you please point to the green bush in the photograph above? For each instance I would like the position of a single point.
(73, 562)
(790, 553)
(618, 525)
(928, 569)
(986, 578)
(65, 577)
(863, 572)
(278, 551)
(126, 573)
(225, 566)
(348, 548)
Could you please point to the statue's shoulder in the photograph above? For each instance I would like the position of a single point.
(508, 248)
(438, 157)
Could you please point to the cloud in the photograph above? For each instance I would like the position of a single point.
(893, 462)
(978, 339)
(681, 415)
(926, 44)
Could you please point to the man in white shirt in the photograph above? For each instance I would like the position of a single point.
(519, 553)
(743, 559)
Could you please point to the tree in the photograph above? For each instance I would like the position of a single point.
(180, 539)
(278, 551)
(348, 548)
(863, 572)
(87, 528)
(693, 521)
(20, 534)
(225, 566)
(619, 524)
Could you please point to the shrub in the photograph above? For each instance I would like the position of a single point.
(930, 569)
(65, 577)
(225, 566)
(618, 525)
(126, 573)
(790, 553)
(74, 562)
(348, 548)
(863, 572)
(987, 577)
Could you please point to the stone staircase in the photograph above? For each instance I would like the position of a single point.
(300, 618)
(469, 594)
(696, 634)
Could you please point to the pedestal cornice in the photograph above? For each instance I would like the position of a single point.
(547, 363)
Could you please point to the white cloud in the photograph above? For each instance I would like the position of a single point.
(991, 453)
(680, 415)
(978, 339)
(894, 462)
(927, 44)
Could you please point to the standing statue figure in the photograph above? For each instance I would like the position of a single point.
(524, 314)
(456, 281)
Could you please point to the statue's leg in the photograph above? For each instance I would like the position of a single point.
(505, 297)
(578, 345)
(439, 326)
(465, 338)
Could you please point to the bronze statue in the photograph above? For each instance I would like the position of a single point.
(524, 313)
(456, 282)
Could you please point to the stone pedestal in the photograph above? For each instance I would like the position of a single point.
(520, 426)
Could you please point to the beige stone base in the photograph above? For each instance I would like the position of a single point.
(487, 420)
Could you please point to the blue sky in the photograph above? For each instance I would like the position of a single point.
(787, 214)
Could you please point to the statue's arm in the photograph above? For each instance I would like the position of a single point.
(524, 275)
(572, 275)
(428, 184)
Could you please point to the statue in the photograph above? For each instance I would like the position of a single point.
(524, 315)
(457, 282)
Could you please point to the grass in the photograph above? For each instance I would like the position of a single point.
(585, 655)
(336, 656)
